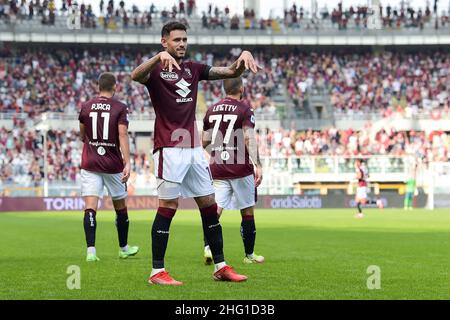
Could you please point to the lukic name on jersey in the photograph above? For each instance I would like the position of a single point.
(224, 107)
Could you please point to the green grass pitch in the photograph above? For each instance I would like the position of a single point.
(310, 254)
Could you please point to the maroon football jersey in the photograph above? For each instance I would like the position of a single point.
(101, 117)
(226, 121)
(174, 98)
(362, 182)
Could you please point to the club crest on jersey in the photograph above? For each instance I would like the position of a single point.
(168, 76)
(187, 73)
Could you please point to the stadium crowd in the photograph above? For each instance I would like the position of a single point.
(22, 157)
(24, 85)
(22, 153)
(115, 15)
(358, 83)
(428, 146)
(362, 83)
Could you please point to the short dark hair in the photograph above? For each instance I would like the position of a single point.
(170, 26)
(106, 81)
(232, 86)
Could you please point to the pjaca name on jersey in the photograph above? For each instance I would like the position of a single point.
(101, 106)
(224, 107)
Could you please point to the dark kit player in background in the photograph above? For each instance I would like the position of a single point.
(180, 164)
(104, 131)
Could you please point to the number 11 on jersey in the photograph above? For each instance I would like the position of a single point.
(105, 116)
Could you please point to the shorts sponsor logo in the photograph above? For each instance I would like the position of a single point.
(168, 76)
(101, 151)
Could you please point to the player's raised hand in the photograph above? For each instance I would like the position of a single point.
(249, 62)
(126, 172)
(168, 62)
(258, 176)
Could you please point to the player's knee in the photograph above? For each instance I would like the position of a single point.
(91, 203)
(119, 204)
(205, 201)
(219, 211)
(247, 212)
(171, 203)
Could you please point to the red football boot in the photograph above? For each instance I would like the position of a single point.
(227, 273)
(164, 278)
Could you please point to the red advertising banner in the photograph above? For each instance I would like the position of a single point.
(391, 200)
(77, 203)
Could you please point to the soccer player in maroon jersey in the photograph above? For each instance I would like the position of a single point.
(104, 131)
(180, 164)
(361, 190)
(229, 136)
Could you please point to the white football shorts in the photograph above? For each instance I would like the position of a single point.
(93, 183)
(361, 192)
(182, 172)
(235, 194)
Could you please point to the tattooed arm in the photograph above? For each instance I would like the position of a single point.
(252, 148)
(244, 62)
(142, 73)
